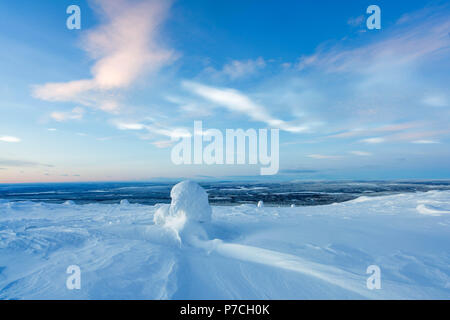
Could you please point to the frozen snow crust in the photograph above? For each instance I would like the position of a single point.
(186, 250)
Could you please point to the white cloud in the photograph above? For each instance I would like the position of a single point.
(163, 143)
(9, 139)
(425, 141)
(388, 78)
(373, 140)
(124, 47)
(76, 114)
(361, 153)
(130, 126)
(238, 69)
(418, 136)
(153, 130)
(235, 101)
(358, 132)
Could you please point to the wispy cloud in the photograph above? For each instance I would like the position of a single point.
(124, 47)
(425, 141)
(356, 21)
(361, 153)
(235, 101)
(163, 144)
(373, 140)
(9, 139)
(152, 130)
(76, 114)
(239, 69)
(359, 132)
(404, 44)
(21, 163)
(436, 100)
(417, 135)
(130, 126)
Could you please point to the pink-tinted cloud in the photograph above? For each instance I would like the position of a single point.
(125, 46)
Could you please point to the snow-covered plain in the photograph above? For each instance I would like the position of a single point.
(130, 251)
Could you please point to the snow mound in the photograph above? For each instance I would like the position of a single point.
(124, 202)
(189, 203)
(192, 199)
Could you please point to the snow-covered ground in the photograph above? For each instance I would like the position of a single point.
(241, 252)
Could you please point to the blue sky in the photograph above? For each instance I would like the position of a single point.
(97, 104)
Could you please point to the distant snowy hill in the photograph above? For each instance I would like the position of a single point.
(244, 252)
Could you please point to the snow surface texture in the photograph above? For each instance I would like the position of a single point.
(186, 251)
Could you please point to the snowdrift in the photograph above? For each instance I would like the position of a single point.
(188, 250)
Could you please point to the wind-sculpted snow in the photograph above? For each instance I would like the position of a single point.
(181, 251)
